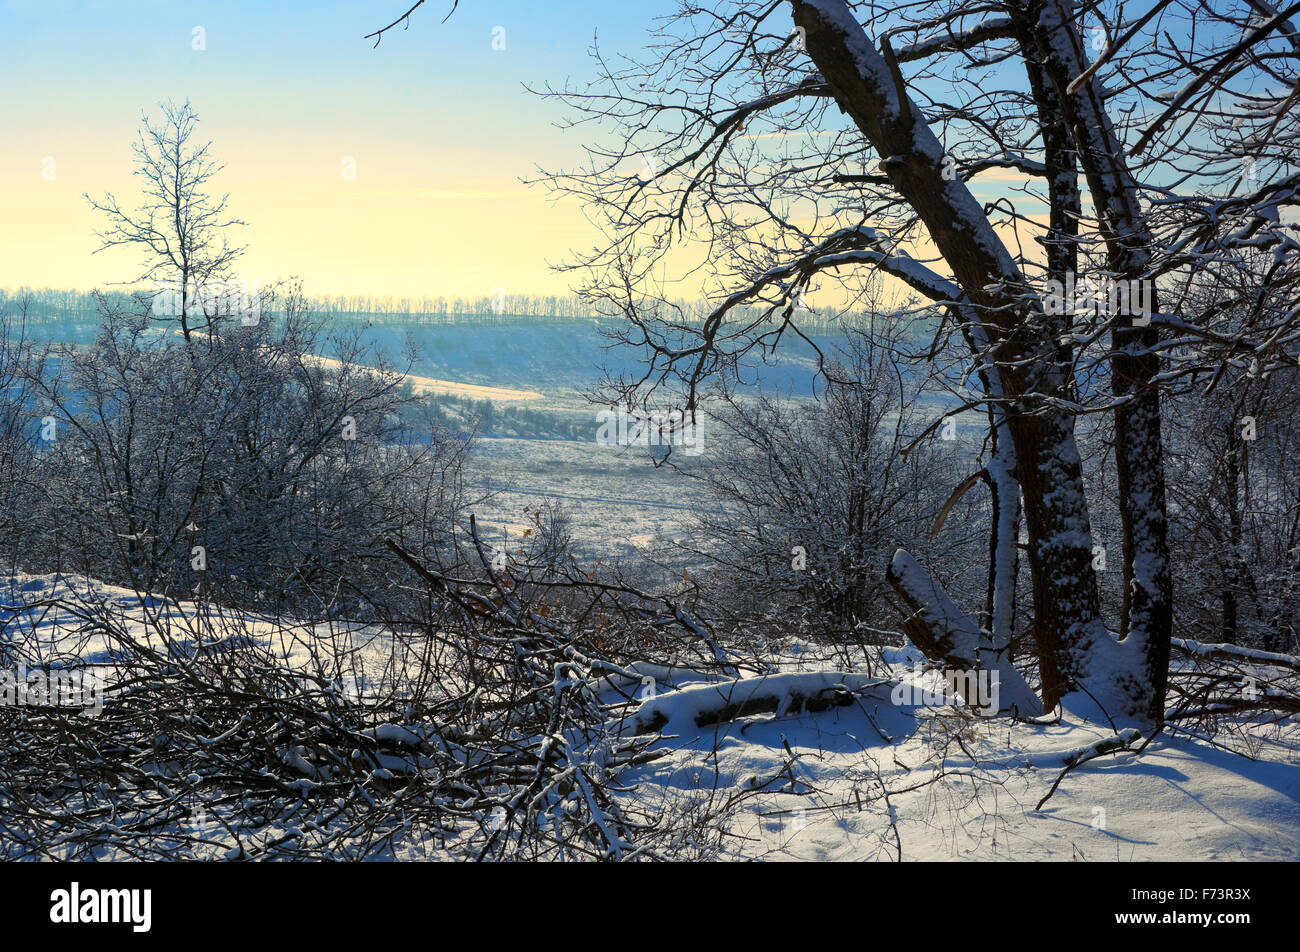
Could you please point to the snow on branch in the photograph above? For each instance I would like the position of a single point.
(796, 692)
(990, 28)
(1222, 652)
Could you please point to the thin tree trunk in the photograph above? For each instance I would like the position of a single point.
(1004, 561)
(1228, 634)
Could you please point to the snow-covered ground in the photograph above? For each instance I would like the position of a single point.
(876, 780)
(451, 388)
(874, 775)
(617, 502)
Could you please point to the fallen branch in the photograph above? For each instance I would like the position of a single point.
(1125, 740)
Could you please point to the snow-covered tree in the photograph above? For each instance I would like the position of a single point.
(247, 469)
(801, 152)
(807, 499)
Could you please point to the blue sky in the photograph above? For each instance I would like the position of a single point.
(435, 120)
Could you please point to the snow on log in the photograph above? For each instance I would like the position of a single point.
(795, 692)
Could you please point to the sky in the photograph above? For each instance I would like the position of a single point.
(435, 122)
(393, 170)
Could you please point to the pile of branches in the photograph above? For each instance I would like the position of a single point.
(1213, 686)
(486, 738)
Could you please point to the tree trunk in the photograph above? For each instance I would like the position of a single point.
(1147, 609)
(948, 635)
(1067, 614)
(1004, 561)
(1231, 496)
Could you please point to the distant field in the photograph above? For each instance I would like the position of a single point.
(619, 504)
(521, 384)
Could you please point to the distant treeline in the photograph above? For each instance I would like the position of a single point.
(58, 303)
(47, 304)
(50, 304)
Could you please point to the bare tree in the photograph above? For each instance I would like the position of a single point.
(18, 437)
(807, 499)
(790, 172)
(179, 227)
(250, 470)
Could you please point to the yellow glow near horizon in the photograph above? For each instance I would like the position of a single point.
(415, 221)
(373, 235)
(436, 121)
(389, 231)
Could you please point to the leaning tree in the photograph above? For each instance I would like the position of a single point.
(788, 144)
(776, 146)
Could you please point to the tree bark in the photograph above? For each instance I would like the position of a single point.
(872, 94)
(948, 635)
(1147, 608)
